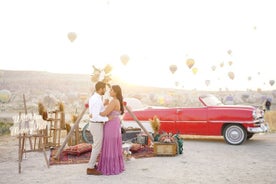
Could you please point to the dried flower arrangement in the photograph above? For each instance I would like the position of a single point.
(74, 118)
(155, 125)
(41, 108)
(42, 111)
(167, 138)
(61, 106)
(101, 74)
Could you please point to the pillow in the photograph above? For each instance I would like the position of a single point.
(135, 147)
(78, 149)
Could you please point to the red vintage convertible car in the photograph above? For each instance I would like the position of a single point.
(236, 123)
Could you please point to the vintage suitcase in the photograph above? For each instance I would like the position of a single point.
(131, 134)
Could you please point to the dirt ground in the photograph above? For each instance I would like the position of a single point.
(204, 160)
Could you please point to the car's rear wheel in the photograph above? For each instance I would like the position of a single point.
(86, 135)
(234, 134)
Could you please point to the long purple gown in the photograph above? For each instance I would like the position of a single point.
(111, 160)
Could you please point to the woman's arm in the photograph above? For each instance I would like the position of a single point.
(108, 108)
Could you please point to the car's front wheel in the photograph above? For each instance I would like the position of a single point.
(234, 134)
(249, 136)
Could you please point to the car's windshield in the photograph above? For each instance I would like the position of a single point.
(210, 100)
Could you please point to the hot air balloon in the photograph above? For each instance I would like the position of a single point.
(231, 75)
(194, 70)
(221, 64)
(230, 63)
(229, 52)
(271, 82)
(207, 82)
(213, 67)
(249, 78)
(124, 59)
(5, 96)
(72, 36)
(173, 68)
(190, 63)
(161, 100)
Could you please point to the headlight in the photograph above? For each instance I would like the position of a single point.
(258, 113)
(254, 114)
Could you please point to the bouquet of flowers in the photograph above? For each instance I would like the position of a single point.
(167, 138)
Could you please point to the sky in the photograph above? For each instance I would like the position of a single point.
(154, 34)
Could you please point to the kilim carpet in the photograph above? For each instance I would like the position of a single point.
(65, 158)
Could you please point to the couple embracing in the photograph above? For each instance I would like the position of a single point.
(105, 127)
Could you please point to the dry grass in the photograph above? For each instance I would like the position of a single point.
(270, 117)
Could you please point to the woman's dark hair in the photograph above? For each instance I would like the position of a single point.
(117, 89)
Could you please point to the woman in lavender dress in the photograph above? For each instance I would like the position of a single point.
(111, 160)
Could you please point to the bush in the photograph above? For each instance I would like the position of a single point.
(5, 128)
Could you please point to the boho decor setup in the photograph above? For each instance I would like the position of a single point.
(161, 142)
(97, 75)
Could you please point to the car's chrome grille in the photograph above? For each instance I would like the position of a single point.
(259, 120)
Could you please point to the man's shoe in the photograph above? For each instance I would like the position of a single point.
(90, 171)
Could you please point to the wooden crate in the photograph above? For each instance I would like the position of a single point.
(165, 149)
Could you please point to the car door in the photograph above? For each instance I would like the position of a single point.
(168, 119)
(192, 121)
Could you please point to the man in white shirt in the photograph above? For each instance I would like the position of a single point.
(96, 126)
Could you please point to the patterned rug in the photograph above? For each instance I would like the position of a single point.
(144, 152)
(65, 158)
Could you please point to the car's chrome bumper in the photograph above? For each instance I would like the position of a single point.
(262, 129)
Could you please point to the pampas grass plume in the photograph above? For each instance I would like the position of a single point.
(155, 124)
(61, 106)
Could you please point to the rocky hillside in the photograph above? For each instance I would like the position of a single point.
(73, 89)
